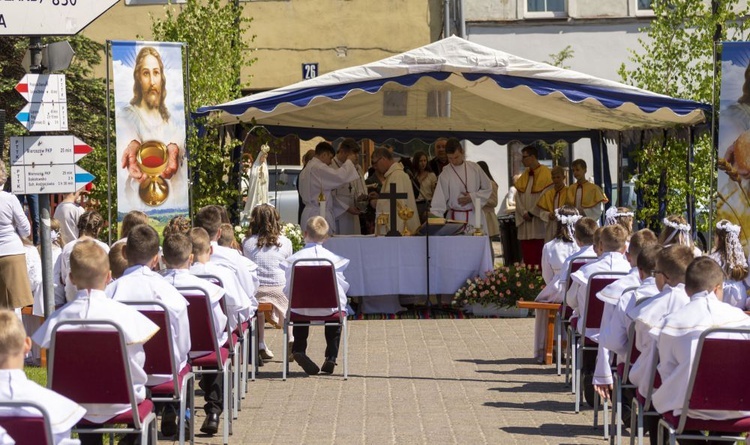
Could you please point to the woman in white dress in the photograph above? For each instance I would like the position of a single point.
(731, 257)
(268, 248)
(554, 254)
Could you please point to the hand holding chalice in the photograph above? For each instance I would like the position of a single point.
(153, 159)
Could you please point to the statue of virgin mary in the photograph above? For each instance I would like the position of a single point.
(257, 183)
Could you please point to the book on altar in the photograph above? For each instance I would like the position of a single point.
(442, 227)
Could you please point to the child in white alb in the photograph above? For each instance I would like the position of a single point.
(730, 256)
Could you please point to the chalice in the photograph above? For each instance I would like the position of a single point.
(405, 213)
(381, 224)
(152, 158)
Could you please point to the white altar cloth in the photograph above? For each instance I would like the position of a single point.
(397, 265)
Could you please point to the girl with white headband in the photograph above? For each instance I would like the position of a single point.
(676, 230)
(731, 257)
(554, 254)
(620, 215)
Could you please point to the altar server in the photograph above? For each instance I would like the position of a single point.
(531, 185)
(671, 265)
(316, 232)
(611, 295)
(346, 196)
(730, 256)
(209, 218)
(554, 255)
(458, 187)
(586, 196)
(678, 337)
(318, 178)
(15, 386)
(89, 271)
(140, 283)
(552, 199)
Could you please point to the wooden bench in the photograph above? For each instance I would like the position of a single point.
(552, 308)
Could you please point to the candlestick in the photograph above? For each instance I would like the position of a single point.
(322, 201)
(477, 213)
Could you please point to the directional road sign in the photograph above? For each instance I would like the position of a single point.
(46, 164)
(44, 116)
(42, 88)
(49, 17)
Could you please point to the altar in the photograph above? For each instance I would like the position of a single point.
(398, 265)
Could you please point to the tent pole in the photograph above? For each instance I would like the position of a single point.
(619, 170)
(690, 196)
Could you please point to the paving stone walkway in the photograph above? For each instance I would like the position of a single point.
(415, 382)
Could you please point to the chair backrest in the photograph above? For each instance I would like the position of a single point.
(213, 279)
(314, 285)
(159, 349)
(27, 429)
(202, 331)
(632, 354)
(573, 267)
(88, 363)
(592, 313)
(713, 386)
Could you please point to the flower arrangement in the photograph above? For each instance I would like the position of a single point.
(501, 287)
(294, 233)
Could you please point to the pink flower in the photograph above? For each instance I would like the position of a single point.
(518, 283)
(531, 286)
(492, 287)
(507, 292)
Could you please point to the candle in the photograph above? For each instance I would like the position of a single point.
(477, 213)
(323, 208)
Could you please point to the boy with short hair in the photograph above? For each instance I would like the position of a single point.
(89, 271)
(15, 386)
(678, 337)
(177, 253)
(316, 232)
(671, 265)
(584, 237)
(140, 283)
(586, 196)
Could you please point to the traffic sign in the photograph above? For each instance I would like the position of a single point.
(63, 178)
(47, 150)
(44, 116)
(49, 17)
(42, 88)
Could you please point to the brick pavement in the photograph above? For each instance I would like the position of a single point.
(416, 382)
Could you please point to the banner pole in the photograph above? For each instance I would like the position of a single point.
(714, 177)
(107, 48)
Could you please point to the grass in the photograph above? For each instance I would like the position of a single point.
(38, 375)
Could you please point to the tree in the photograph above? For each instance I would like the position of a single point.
(678, 60)
(215, 33)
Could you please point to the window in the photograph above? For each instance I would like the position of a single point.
(643, 7)
(546, 8)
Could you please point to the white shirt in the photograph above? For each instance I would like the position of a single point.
(345, 196)
(68, 213)
(65, 290)
(647, 316)
(34, 269)
(576, 296)
(396, 175)
(137, 330)
(313, 250)
(317, 178)
(554, 256)
(677, 344)
(243, 268)
(239, 305)
(585, 251)
(268, 259)
(183, 278)
(139, 283)
(63, 412)
(455, 180)
(13, 222)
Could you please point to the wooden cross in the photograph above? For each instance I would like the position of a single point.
(393, 197)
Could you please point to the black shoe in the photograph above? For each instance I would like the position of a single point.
(169, 422)
(328, 366)
(211, 424)
(307, 364)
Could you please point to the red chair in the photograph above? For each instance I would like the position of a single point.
(205, 352)
(160, 360)
(88, 364)
(641, 405)
(591, 318)
(564, 314)
(314, 286)
(26, 429)
(713, 387)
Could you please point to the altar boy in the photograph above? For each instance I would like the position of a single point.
(316, 232)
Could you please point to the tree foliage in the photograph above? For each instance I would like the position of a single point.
(217, 40)
(677, 59)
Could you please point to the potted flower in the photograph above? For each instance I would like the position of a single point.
(497, 292)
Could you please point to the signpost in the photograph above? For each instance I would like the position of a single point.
(49, 17)
(46, 164)
(47, 109)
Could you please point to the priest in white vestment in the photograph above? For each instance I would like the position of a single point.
(678, 338)
(531, 185)
(318, 178)
(346, 196)
(394, 173)
(459, 185)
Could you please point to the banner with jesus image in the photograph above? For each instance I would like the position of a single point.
(150, 129)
